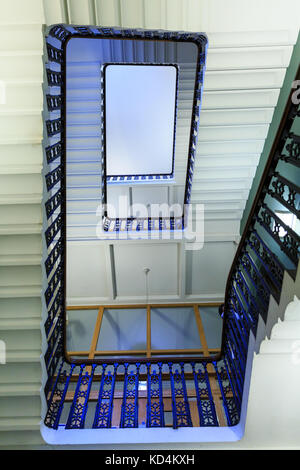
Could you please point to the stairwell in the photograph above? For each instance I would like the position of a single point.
(275, 379)
(21, 246)
(21, 157)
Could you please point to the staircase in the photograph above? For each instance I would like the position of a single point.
(84, 396)
(278, 352)
(21, 183)
(21, 157)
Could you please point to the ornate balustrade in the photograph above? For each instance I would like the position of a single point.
(94, 395)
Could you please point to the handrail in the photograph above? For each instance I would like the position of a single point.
(262, 189)
(255, 274)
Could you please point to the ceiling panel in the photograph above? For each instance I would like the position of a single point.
(131, 259)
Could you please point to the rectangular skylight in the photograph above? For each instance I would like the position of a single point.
(139, 107)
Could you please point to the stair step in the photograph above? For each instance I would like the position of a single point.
(23, 214)
(20, 260)
(19, 229)
(292, 312)
(11, 308)
(20, 169)
(20, 291)
(20, 423)
(17, 154)
(276, 346)
(20, 199)
(26, 356)
(20, 389)
(239, 99)
(286, 330)
(20, 37)
(24, 95)
(15, 126)
(20, 324)
(18, 13)
(28, 371)
(25, 64)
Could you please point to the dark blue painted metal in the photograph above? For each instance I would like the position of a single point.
(77, 414)
(180, 404)
(53, 177)
(220, 377)
(57, 399)
(53, 229)
(246, 284)
(104, 408)
(54, 256)
(205, 402)
(129, 409)
(155, 404)
(53, 152)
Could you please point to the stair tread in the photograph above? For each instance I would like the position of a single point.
(17, 389)
(19, 323)
(23, 356)
(22, 229)
(20, 198)
(20, 423)
(20, 260)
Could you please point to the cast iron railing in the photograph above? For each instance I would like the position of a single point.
(84, 395)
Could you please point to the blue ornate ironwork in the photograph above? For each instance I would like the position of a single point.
(79, 406)
(53, 102)
(104, 409)
(57, 398)
(229, 405)
(263, 255)
(53, 229)
(286, 192)
(205, 401)
(53, 283)
(53, 177)
(180, 404)
(53, 203)
(54, 310)
(129, 409)
(155, 404)
(289, 242)
(268, 259)
(257, 281)
(53, 152)
(54, 256)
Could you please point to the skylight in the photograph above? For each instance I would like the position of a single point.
(139, 119)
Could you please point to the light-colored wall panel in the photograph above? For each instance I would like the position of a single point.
(131, 259)
(243, 79)
(86, 272)
(211, 117)
(247, 58)
(20, 12)
(20, 37)
(240, 99)
(107, 13)
(16, 127)
(207, 269)
(82, 14)
(21, 64)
